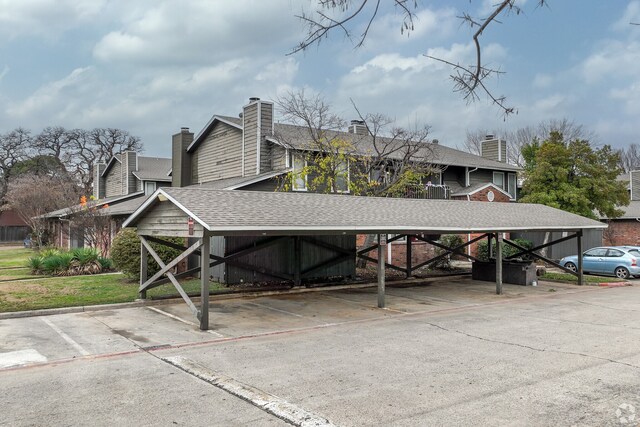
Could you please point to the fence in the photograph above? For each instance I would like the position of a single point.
(590, 239)
(428, 192)
(11, 233)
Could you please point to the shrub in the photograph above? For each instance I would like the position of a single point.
(449, 240)
(125, 253)
(105, 263)
(507, 250)
(85, 255)
(51, 264)
(35, 264)
(49, 252)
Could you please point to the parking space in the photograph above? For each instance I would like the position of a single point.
(447, 352)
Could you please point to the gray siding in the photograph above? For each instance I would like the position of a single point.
(278, 157)
(280, 258)
(266, 185)
(219, 156)
(590, 239)
(250, 139)
(481, 176)
(166, 219)
(635, 185)
(454, 174)
(266, 117)
(113, 181)
(129, 165)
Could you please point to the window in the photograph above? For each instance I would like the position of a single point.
(342, 177)
(299, 181)
(614, 253)
(149, 187)
(379, 175)
(498, 179)
(511, 185)
(597, 252)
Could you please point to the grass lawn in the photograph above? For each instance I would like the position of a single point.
(565, 277)
(39, 292)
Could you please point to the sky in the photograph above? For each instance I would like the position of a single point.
(154, 66)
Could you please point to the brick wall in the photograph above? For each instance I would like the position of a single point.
(622, 232)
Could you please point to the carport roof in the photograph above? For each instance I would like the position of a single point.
(225, 212)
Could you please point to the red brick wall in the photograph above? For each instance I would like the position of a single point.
(622, 232)
(11, 218)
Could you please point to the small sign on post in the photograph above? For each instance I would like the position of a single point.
(190, 223)
(383, 239)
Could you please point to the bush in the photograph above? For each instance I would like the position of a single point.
(451, 241)
(79, 261)
(507, 250)
(125, 253)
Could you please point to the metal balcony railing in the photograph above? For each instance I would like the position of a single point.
(428, 192)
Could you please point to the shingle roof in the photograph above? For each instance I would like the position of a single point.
(237, 182)
(464, 191)
(256, 213)
(632, 211)
(298, 137)
(115, 200)
(153, 168)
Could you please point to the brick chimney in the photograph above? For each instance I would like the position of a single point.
(180, 159)
(257, 123)
(494, 148)
(358, 127)
(98, 181)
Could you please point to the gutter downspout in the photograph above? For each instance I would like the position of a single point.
(469, 172)
(469, 234)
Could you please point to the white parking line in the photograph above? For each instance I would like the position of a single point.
(266, 401)
(20, 358)
(180, 319)
(276, 309)
(66, 337)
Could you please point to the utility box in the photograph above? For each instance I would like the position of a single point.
(513, 272)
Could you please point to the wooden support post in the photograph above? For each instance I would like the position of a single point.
(498, 263)
(580, 272)
(144, 273)
(297, 261)
(382, 247)
(489, 248)
(409, 258)
(205, 273)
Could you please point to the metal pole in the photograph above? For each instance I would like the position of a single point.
(498, 263)
(144, 273)
(204, 282)
(409, 258)
(382, 243)
(579, 240)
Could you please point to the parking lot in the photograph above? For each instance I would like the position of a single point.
(443, 353)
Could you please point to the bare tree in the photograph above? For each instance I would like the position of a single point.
(32, 196)
(517, 139)
(90, 220)
(630, 157)
(13, 148)
(468, 80)
(394, 157)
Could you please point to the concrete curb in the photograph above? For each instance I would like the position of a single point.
(214, 297)
(615, 284)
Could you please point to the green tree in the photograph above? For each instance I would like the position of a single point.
(573, 176)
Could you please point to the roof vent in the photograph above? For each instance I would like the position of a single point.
(184, 129)
(489, 136)
(241, 114)
(435, 141)
(254, 99)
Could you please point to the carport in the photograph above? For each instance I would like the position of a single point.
(198, 214)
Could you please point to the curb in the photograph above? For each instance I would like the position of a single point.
(615, 284)
(214, 297)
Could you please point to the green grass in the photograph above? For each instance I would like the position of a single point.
(74, 291)
(38, 292)
(15, 257)
(565, 277)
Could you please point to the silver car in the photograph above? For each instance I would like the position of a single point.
(619, 261)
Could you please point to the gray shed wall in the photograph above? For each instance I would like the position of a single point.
(219, 156)
(590, 239)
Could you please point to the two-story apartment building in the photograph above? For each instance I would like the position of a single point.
(119, 188)
(251, 151)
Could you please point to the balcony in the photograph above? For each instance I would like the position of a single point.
(427, 192)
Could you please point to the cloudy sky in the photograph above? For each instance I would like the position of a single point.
(152, 66)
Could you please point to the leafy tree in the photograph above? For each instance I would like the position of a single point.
(365, 163)
(573, 176)
(125, 253)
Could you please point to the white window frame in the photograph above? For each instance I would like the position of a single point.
(148, 183)
(348, 179)
(515, 185)
(295, 177)
(494, 179)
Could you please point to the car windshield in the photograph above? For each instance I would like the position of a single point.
(634, 252)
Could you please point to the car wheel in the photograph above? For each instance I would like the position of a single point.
(571, 266)
(622, 273)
